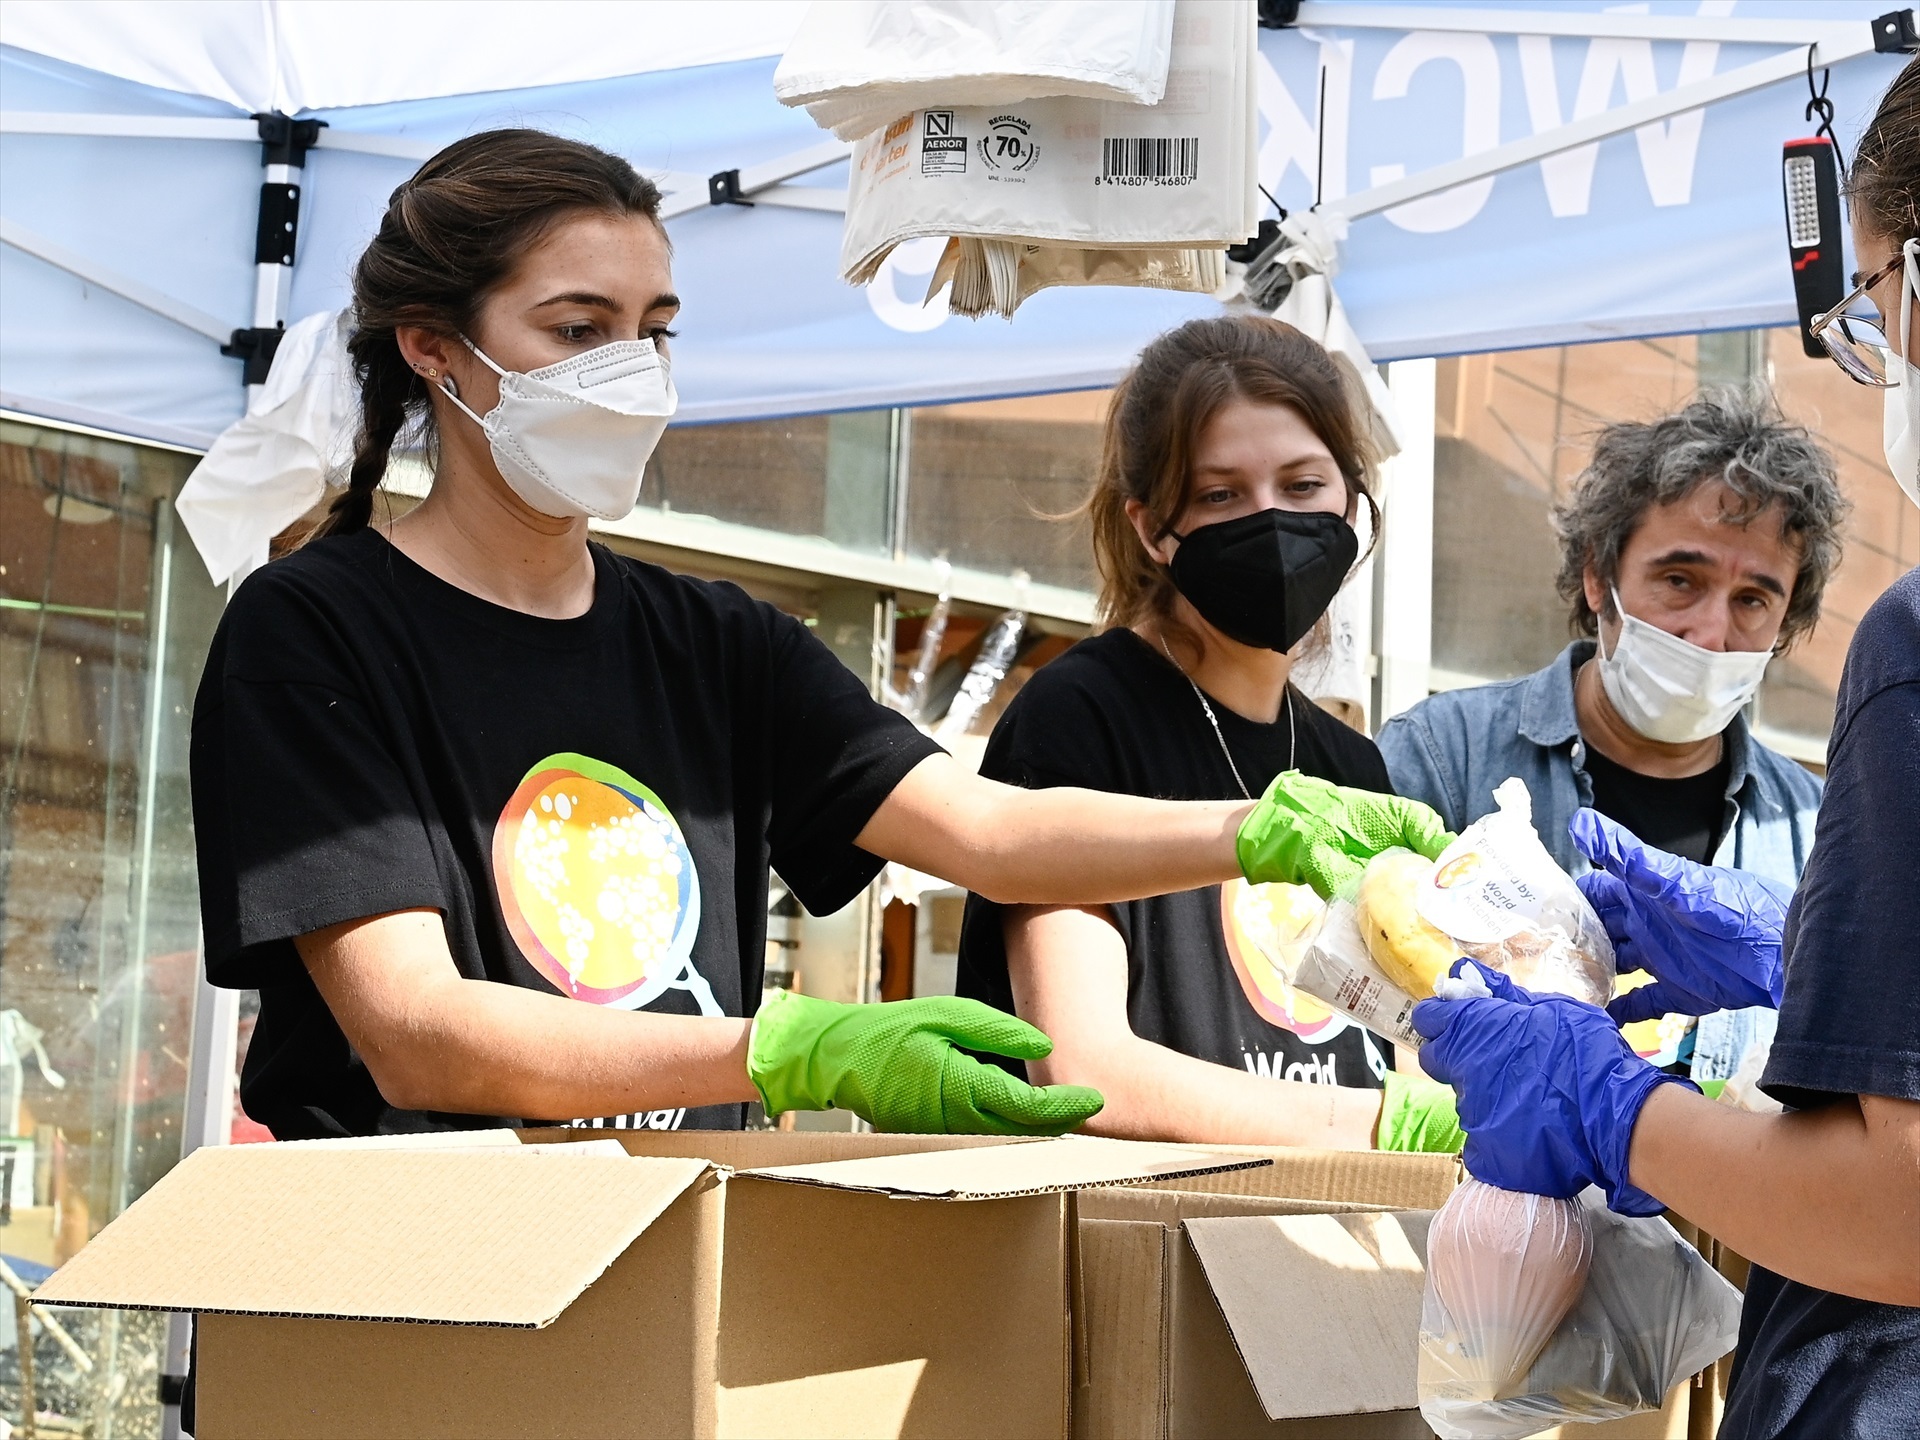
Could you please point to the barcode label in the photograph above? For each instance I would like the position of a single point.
(1150, 162)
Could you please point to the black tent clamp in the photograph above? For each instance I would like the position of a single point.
(284, 143)
(1896, 33)
(723, 188)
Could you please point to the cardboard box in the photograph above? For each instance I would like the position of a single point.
(1282, 1301)
(1278, 1301)
(575, 1283)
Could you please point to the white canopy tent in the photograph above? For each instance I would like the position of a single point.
(1513, 174)
(1483, 156)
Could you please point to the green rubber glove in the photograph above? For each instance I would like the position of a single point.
(1417, 1114)
(896, 1066)
(1309, 831)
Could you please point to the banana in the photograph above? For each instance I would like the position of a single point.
(1412, 952)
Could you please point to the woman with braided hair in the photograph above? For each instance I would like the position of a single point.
(485, 811)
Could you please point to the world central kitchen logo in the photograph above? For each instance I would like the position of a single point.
(1008, 147)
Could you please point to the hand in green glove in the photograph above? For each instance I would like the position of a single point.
(1418, 1114)
(895, 1065)
(1308, 831)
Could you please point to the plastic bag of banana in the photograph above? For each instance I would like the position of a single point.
(1494, 894)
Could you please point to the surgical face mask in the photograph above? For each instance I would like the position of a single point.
(1671, 690)
(1264, 578)
(1902, 423)
(573, 439)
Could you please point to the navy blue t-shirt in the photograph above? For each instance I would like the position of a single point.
(1812, 1363)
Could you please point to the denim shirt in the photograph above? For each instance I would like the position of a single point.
(1451, 750)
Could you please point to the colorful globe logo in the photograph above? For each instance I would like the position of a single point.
(1265, 927)
(597, 885)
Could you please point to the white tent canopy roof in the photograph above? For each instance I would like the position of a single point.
(1516, 173)
(300, 55)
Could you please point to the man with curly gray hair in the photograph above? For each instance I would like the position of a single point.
(1694, 548)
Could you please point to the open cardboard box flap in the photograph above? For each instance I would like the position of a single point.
(998, 1172)
(506, 1236)
(1323, 1309)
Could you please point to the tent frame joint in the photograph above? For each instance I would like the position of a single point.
(254, 346)
(1895, 33)
(285, 140)
(723, 188)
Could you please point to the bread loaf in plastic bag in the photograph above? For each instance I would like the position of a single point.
(1648, 1313)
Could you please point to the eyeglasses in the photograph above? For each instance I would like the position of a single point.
(1858, 342)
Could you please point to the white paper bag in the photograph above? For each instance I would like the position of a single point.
(1069, 172)
(858, 64)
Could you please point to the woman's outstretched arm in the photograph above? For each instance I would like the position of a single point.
(1052, 847)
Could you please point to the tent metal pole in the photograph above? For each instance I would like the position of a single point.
(731, 187)
(134, 127)
(125, 286)
(213, 1049)
(1575, 24)
(1618, 121)
(284, 142)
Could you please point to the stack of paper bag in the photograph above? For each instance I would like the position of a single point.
(856, 65)
(1060, 188)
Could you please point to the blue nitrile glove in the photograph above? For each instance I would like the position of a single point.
(1709, 936)
(1549, 1091)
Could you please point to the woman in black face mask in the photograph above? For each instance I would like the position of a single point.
(1234, 467)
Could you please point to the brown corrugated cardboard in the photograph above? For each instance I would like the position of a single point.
(390, 1234)
(761, 1284)
(1156, 1357)
(1399, 1181)
(1324, 1310)
(1073, 1163)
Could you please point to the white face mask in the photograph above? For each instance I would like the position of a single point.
(1902, 424)
(1670, 689)
(573, 439)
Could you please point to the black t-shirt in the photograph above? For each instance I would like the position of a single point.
(592, 803)
(1683, 817)
(1114, 714)
(1812, 1363)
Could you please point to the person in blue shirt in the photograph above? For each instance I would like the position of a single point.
(1694, 547)
(1824, 1198)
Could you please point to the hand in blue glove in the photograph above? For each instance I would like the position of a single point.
(1710, 937)
(1549, 1091)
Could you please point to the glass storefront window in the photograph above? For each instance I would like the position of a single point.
(105, 618)
(824, 475)
(985, 480)
(1513, 429)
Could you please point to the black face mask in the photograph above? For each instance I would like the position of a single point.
(1264, 579)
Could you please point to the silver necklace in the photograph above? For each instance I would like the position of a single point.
(1286, 702)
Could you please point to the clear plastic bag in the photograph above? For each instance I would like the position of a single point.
(1336, 970)
(1650, 1312)
(1501, 898)
(1495, 894)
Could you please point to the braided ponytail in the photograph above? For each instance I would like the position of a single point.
(452, 235)
(389, 391)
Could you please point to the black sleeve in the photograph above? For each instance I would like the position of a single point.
(1850, 1023)
(303, 817)
(837, 754)
(1053, 735)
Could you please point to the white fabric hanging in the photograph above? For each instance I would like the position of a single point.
(273, 464)
(1313, 307)
(858, 64)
